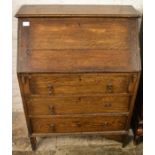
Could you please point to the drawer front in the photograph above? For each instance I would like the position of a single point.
(77, 105)
(56, 84)
(88, 123)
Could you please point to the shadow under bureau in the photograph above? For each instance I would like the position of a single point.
(78, 69)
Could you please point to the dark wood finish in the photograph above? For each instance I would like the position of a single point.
(78, 105)
(108, 33)
(80, 123)
(89, 45)
(77, 10)
(78, 69)
(22, 86)
(103, 133)
(70, 84)
(137, 119)
(33, 141)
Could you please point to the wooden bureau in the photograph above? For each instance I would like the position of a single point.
(78, 68)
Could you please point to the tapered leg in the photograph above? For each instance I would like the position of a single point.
(135, 139)
(33, 141)
(138, 135)
(125, 140)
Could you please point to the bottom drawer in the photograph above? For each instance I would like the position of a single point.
(78, 123)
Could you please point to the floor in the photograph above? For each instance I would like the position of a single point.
(67, 145)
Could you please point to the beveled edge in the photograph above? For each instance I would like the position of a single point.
(24, 11)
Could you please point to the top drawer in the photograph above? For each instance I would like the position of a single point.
(67, 84)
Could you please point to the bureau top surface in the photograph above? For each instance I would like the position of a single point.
(77, 10)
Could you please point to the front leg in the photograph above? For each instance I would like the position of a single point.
(33, 142)
(125, 139)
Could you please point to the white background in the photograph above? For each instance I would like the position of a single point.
(6, 68)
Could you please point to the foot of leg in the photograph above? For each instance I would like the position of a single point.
(124, 140)
(33, 141)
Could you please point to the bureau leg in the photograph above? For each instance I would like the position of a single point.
(124, 140)
(137, 139)
(33, 141)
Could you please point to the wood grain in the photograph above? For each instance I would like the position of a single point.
(78, 69)
(79, 33)
(78, 45)
(79, 83)
(78, 105)
(77, 10)
(88, 123)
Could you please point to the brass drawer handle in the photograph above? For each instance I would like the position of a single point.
(51, 109)
(107, 105)
(52, 127)
(50, 89)
(109, 87)
(105, 124)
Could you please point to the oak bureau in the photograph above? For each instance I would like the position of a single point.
(78, 68)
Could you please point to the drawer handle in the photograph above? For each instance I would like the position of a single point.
(109, 87)
(52, 127)
(51, 109)
(105, 124)
(50, 89)
(78, 124)
(107, 105)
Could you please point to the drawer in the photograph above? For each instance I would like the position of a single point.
(56, 84)
(78, 123)
(78, 105)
